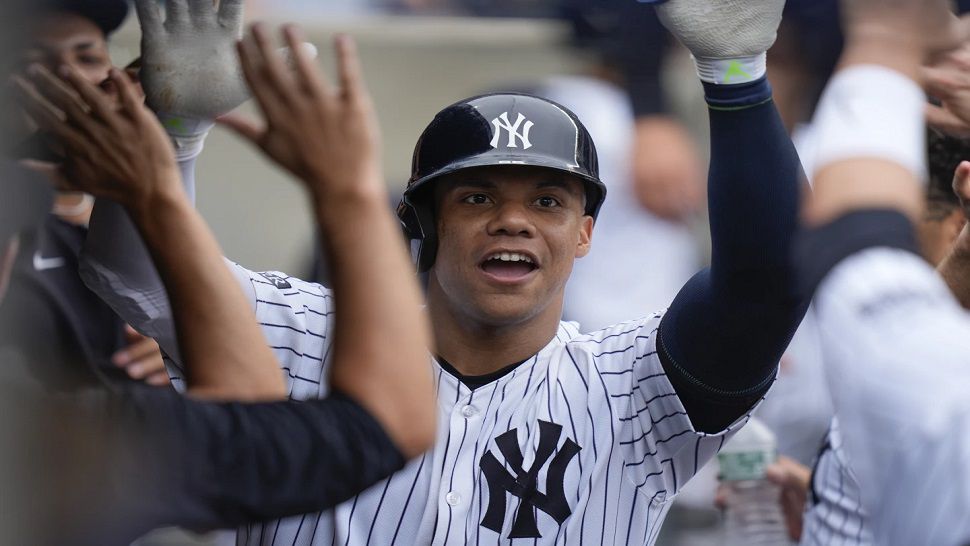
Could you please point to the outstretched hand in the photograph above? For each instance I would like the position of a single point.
(189, 64)
(327, 137)
(112, 148)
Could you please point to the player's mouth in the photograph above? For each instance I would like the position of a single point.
(509, 267)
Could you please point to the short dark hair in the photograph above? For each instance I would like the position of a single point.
(945, 153)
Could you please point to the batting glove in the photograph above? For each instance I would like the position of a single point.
(728, 38)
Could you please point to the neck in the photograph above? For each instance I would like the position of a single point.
(475, 348)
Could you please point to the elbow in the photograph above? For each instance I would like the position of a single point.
(417, 435)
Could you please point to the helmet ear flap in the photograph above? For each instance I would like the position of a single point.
(418, 226)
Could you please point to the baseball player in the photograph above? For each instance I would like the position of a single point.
(544, 434)
(822, 504)
(894, 335)
(241, 462)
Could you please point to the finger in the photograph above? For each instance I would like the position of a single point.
(946, 121)
(304, 63)
(348, 68)
(47, 116)
(262, 89)
(92, 96)
(246, 128)
(149, 15)
(231, 14)
(202, 10)
(961, 185)
(159, 379)
(943, 83)
(142, 350)
(58, 93)
(51, 171)
(176, 13)
(130, 100)
(132, 335)
(272, 67)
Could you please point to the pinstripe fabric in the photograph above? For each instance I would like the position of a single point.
(607, 391)
(834, 514)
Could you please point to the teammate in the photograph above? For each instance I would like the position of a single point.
(824, 500)
(545, 434)
(51, 314)
(237, 462)
(894, 336)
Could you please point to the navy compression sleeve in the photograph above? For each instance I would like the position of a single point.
(726, 330)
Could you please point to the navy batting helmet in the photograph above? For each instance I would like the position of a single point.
(489, 130)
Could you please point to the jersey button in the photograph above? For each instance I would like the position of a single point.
(469, 411)
(453, 498)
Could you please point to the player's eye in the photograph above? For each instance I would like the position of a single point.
(476, 199)
(547, 202)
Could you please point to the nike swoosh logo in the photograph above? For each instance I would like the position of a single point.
(43, 264)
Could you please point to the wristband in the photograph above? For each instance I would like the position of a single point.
(731, 71)
(871, 111)
(187, 134)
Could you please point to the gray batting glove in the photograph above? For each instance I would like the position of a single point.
(728, 38)
(189, 64)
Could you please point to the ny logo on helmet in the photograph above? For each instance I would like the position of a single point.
(502, 122)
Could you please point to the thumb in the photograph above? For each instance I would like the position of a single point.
(961, 184)
(52, 172)
(243, 126)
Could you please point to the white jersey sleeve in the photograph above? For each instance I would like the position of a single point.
(655, 437)
(897, 359)
(834, 513)
(115, 264)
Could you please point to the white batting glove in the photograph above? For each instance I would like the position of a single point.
(728, 38)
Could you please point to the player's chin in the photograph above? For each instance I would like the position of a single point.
(506, 309)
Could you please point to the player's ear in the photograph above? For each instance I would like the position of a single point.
(585, 236)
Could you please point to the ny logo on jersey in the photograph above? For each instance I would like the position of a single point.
(523, 484)
(502, 123)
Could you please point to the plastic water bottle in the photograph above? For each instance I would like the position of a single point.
(753, 513)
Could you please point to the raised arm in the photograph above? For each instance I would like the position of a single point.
(897, 357)
(117, 150)
(327, 136)
(722, 337)
(190, 76)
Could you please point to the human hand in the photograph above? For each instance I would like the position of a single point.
(142, 359)
(113, 149)
(189, 65)
(948, 79)
(326, 137)
(794, 479)
(919, 28)
(667, 174)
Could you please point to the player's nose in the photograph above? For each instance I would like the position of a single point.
(511, 219)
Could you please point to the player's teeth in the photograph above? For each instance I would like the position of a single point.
(506, 257)
(514, 257)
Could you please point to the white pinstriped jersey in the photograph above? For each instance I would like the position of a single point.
(896, 357)
(584, 443)
(834, 514)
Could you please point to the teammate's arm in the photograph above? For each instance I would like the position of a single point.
(722, 337)
(895, 338)
(190, 77)
(120, 152)
(327, 137)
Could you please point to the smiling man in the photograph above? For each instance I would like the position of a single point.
(544, 434)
